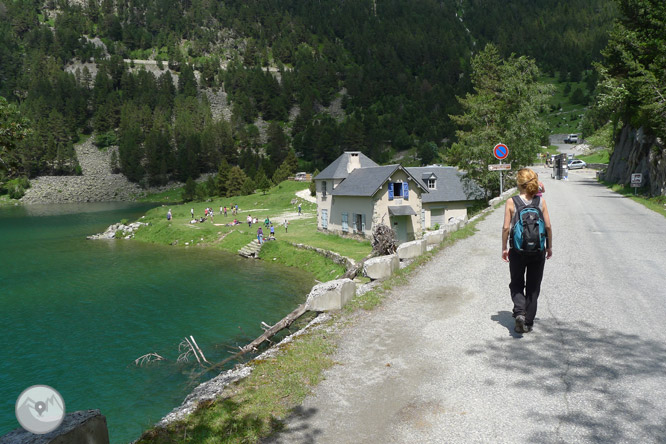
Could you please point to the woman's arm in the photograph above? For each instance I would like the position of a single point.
(506, 228)
(549, 231)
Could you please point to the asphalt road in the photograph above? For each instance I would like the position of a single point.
(439, 361)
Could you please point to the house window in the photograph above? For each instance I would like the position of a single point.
(323, 189)
(398, 189)
(359, 222)
(432, 184)
(324, 219)
(345, 222)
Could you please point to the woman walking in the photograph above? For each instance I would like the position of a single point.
(526, 269)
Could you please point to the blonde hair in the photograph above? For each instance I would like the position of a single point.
(528, 181)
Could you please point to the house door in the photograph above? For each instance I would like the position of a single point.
(437, 217)
(400, 227)
(324, 219)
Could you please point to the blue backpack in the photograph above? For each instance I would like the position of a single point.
(528, 229)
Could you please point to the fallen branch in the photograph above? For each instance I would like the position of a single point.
(252, 346)
(198, 349)
(147, 359)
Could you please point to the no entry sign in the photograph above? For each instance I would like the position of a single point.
(501, 151)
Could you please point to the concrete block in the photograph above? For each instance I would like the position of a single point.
(381, 267)
(434, 237)
(332, 295)
(82, 427)
(410, 250)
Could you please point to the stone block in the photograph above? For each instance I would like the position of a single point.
(381, 267)
(332, 295)
(82, 427)
(434, 237)
(410, 250)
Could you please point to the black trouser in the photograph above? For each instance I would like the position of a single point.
(525, 287)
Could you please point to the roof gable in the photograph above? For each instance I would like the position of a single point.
(338, 168)
(367, 181)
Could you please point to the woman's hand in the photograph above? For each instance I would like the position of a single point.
(505, 255)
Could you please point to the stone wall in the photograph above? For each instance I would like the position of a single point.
(638, 152)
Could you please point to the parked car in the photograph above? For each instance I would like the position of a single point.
(571, 138)
(575, 164)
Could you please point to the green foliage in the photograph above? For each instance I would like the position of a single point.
(504, 108)
(13, 128)
(190, 190)
(262, 181)
(15, 188)
(633, 75)
(313, 186)
(235, 182)
(106, 139)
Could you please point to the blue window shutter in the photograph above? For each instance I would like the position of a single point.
(405, 191)
(354, 222)
(363, 222)
(390, 190)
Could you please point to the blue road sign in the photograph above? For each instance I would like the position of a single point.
(501, 151)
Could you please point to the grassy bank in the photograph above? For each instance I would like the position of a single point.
(280, 202)
(657, 204)
(255, 407)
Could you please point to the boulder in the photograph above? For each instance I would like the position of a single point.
(332, 295)
(410, 250)
(82, 427)
(434, 237)
(381, 267)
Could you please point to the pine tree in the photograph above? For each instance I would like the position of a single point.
(262, 181)
(248, 187)
(235, 181)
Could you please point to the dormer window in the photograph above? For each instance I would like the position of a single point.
(432, 184)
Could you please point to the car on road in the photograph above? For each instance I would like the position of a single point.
(571, 138)
(575, 164)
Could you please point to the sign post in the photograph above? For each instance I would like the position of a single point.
(636, 181)
(501, 151)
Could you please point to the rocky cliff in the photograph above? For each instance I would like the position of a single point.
(638, 152)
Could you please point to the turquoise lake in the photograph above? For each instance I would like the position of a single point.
(76, 313)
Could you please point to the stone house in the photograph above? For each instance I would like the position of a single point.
(450, 194)
(354, 193)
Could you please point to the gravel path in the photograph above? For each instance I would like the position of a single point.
(439, 362)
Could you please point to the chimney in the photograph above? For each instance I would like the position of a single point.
(353, 162)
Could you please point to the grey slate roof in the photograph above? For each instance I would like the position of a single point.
(402, 210)
(338, 168)
(367, 181)
(364, 181)
(452, 185)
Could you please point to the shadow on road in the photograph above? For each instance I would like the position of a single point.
(505, 318)
(609, 380)
(299, 429)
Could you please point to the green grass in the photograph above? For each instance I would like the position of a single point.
(566, 117)
(315, 263)
(214, 233)
(602, 156)
(258, 403)
(657, 204)
(172, 195)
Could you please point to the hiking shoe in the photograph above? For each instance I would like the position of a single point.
(520, 324)
(527, 328)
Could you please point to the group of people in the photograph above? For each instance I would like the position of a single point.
(268, 225)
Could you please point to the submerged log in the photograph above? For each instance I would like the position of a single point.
(268, 333)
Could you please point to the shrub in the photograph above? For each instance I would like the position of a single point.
(106, 139)
(15, 190)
